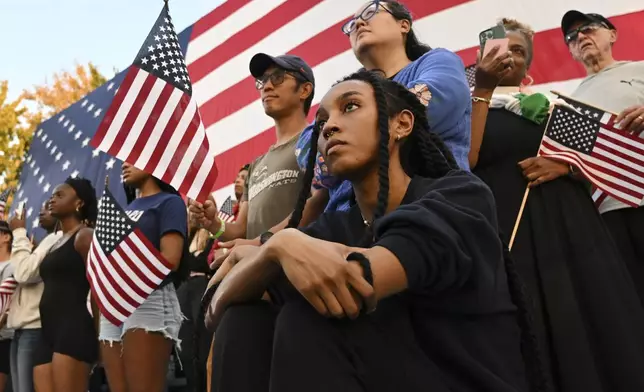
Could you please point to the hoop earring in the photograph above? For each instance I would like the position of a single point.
(530, 81)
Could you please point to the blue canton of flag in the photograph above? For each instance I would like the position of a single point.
(60, 149)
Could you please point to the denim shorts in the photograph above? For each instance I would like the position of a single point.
(160, 313)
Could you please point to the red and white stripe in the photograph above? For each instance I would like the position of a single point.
(123, 279)
(223, 42)
(151, 112)
(7, 288)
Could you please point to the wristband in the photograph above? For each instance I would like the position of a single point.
(222, 229)
(479, 99)
(364, 263)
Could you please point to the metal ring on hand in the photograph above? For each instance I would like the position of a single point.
(640, 118)
(225, 250)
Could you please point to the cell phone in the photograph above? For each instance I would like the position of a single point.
(502, 43)
(496, 32)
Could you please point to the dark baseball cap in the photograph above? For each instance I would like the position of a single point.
(573, 16)
(261, 62)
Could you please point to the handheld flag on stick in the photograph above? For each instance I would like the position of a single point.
(7, 288)
(123, 266)
(154, 122)
(611, 159)
(227, 210)
(603, 116)
(4, 196)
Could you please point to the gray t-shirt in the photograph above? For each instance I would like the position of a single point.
(614, 89)
(272, 188)
(6, 271)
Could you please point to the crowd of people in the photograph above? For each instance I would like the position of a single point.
(373, 250)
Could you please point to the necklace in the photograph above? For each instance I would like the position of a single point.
(365, 221)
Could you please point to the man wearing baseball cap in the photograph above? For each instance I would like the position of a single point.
(618, 87)
(286, 86)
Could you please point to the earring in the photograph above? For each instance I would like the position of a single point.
(77, 209)
(397, 137)
(530, 81)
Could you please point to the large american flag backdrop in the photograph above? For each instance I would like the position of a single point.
(219, 46)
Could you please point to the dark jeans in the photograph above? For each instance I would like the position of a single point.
(24, 344)
(195, 339)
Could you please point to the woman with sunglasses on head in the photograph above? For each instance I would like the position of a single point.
(136, 354)
(382, 38)
(69, 348)
(587, 312)
(420, 242)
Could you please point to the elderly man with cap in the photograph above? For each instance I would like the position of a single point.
(616, 86)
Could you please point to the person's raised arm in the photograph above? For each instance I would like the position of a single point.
(489, 71)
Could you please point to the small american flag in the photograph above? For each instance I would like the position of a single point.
(123, 266)
(604, 117)
(470, 72)
(153, 121)
(7, 288)
(611, 159)
(227, 210)
(4, 196)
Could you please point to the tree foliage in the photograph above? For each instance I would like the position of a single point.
(20, 118)
(15, 137)
(65, 89)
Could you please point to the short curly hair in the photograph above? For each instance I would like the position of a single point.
(523, 29)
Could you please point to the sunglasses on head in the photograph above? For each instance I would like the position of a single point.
(367, 13)
(586, 29)
(276, 77)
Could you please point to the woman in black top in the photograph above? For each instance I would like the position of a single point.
(589, 319)
(420, 242)
(69, 347)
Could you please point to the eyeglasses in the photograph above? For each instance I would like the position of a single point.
(276, 78)
(367, 13)
(586, 29)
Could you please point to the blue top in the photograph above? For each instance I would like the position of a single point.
(438, 79)
(158, 215)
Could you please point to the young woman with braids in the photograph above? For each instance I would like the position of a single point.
(588, 318)
(136, 354)
(405, 291)
(69, 348)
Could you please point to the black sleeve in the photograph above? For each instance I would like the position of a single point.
(447, 237)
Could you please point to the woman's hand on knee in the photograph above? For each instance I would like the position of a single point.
(319, 270)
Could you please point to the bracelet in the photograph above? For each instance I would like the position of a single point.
(479, 99)
(366, 270)
(364, 263)
(222, 229)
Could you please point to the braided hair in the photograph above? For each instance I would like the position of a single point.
(85, 191)
(424, 154)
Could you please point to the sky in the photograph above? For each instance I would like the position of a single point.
(41, 37)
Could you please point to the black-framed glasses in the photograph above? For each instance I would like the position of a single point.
(586, 29)
(276, 77)
(367, 13)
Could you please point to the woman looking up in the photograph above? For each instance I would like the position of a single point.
(421, 241)
(69, 347)
(382, 38)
